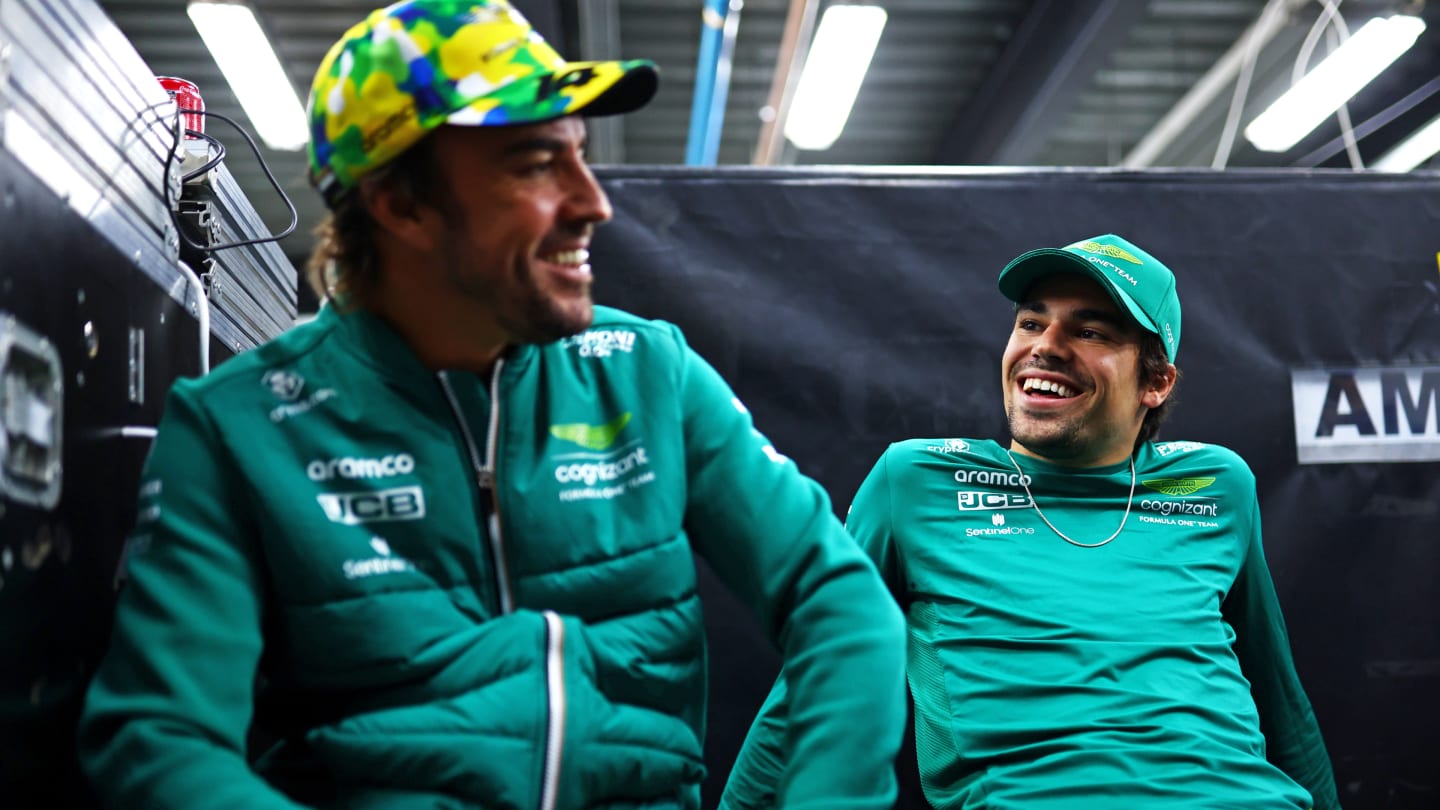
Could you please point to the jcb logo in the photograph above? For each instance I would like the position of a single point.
(973, 500)
(354, 508)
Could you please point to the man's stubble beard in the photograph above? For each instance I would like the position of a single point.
(1060, 443)
(535, 317)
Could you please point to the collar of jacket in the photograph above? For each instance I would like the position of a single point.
(381, 347)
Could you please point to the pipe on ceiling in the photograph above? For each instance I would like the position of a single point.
(721, 23)
(1225, 70)
(794, 47)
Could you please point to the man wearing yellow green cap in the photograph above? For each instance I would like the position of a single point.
(436, 544)
(1091, 620)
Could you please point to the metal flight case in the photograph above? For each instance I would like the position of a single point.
(98, 315)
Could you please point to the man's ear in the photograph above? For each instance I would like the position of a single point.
(397, 212)
(1156, 390)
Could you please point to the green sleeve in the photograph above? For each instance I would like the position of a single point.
(761, 762)
(869, 522)
(1292, 735)
(166, 716)
(768, 532)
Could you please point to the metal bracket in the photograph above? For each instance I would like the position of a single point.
(199, 216)
(215, 286)
(32, 389)
(212, 275)
(193, 155)
(172, 241)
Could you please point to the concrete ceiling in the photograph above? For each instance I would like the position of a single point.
(953, 82)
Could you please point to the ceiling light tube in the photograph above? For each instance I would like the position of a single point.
(839, 57)
(1419, 147)
(250, 65)
(1333, 82)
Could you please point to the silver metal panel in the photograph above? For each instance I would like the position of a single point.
(81, 110)
(261, 272)
(77, 118)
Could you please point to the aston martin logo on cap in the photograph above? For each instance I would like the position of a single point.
(1108, 250)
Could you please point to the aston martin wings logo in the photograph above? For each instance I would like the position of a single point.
(1178, 487)
(591, 437)
(1109, 250)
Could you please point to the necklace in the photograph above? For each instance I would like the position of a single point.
(1064, 536)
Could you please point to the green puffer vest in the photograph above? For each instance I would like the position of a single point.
(479, 589)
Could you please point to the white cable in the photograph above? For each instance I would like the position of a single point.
(1181, 117)
(1331, 23)
(202, 307)
(137, 432)
(1242, 85)
(1312, 37)
(1347, 132)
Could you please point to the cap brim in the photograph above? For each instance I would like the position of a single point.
(1029, 268)
(639, 79)
(610, 88)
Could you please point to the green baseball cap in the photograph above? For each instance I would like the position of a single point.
(415, 65)
(1140, 284)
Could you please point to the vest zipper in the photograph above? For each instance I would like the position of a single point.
(555, 720)
(484, 467)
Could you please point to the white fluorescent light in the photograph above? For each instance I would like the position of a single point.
(1411, 152)
(839, 56)
(244, 55)
(1333, 82)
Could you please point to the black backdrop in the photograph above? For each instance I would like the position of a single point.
(852, 308)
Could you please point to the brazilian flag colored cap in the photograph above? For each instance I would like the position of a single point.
(415, 65)
(1140, 284)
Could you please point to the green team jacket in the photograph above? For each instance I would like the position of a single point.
(1151, 671)
(460, 592)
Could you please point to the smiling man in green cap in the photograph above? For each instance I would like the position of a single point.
(1091, 620)
(449, 523)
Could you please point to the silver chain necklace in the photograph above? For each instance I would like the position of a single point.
(1064, 536)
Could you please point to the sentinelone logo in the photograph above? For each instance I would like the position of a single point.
(1368, 414)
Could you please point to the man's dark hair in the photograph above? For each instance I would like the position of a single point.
(1153, 365)
(342, 266)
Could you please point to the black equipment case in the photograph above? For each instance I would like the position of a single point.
(98, 315)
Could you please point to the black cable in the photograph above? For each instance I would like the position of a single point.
(1411, 100)
(175, 214)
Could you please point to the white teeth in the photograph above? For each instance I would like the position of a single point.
(571, 258)
(1035, 384)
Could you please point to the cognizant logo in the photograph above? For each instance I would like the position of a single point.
(360, 468)
(1180, 507)
(590, 472)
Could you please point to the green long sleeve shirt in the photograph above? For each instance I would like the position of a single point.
(1152, 670)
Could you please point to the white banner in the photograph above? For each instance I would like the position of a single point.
(1367, 414)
